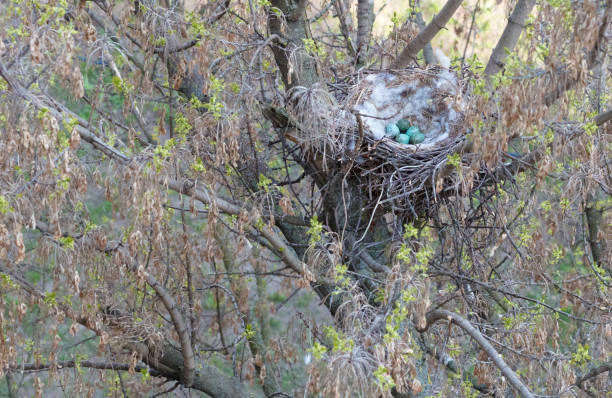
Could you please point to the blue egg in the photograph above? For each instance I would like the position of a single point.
(403, 125)
(417, 138)
(391, 130)
(403, 139)
(413, 130)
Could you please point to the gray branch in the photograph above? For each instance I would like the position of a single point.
(426, 35)
(464, 324)
(510, 36)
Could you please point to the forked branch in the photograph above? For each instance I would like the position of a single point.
(464, 324)
(179, 324)
(596, 371)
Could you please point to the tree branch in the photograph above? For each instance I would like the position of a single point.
(38, 367)
(84, 133)
(596, 371)
(513, 379)
(26, 286)
(179, 325)
(323, 11)
(219, 12)
(346, 28)
(427, 49)
(283, 250)
(169, 303)
(10, 385)
(603, 117)
(296, 66)
(510, 36)
(207, 378)
(427, 34)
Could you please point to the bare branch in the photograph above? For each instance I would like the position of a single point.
(207, 378)
(427, 50)
(605, 367)
(38, 367)
(283, 250)
(437, 315)
(346, 25)
(323, 11)
(603, 117)
(373, 264)
(179, 325)
(510, 36)
(84, 133)
(426, 34)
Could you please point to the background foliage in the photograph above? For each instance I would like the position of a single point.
(173, 221)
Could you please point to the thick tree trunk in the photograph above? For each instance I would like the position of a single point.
(207, 379)
(365, 9)
(594, 218)
(297, 67)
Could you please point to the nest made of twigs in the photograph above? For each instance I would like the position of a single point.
(400, 177)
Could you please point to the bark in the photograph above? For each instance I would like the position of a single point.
(427, 50)
(427, 34)
(346, 25)
(188, 368)
(258, 343)
(510, 36)
(464, 324)
(365, 9)
(207, 379)
(603, 117)
(10, 384)
(92, 364)
(296, 66)
(190, 79)
(284, 251)
(594, 217)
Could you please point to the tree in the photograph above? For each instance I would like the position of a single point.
(177, 216)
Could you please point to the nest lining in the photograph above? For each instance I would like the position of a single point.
(429, 99)
(403, 177)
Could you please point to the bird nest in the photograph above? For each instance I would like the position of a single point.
(404, 178)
